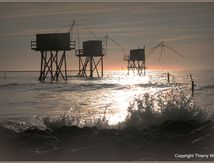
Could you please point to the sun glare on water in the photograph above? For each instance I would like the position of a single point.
(120, 97)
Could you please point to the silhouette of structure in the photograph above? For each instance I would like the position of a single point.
(90, 59)
(53, 47)
(136, 61)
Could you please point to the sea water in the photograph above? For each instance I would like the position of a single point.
(26, 104)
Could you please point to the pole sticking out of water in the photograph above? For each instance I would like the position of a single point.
(5, 77)
(191, 77)
(168, 77)
(193, 85)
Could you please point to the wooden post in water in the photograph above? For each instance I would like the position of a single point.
(91, 67)
(53, 47)
(193, 85)
(168, 77)
(5, 77)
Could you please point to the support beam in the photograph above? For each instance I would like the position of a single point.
(52, 66)
(136, 67)
(93, 65)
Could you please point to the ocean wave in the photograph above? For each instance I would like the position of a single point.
(144, 111)
(68, 87)
(178, 127)
(159, 142)
(207, 87)
(17, 85)
(157, 126)
(156, 109)
(9, 84)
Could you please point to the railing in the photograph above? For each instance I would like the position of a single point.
(72, 44)
(79, 52)
(33, 45)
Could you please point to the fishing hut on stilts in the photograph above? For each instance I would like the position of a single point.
(136, 61)
(53, 48)
(90, 59)
(91, 54)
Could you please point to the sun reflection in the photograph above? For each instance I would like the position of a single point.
(110, 97)
(122, 96)
(117, 118)
(133, 80)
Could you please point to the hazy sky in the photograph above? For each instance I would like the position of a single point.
(187, 27)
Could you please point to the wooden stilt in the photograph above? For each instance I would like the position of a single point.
(90, 59)
(53, 47)
(52, 65)
(136, 61)
(93, 64)
(66, 78)
(136, 66)
(102, 66)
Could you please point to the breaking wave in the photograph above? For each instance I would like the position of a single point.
(172, 105)
(144, 111)
(155, 128)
